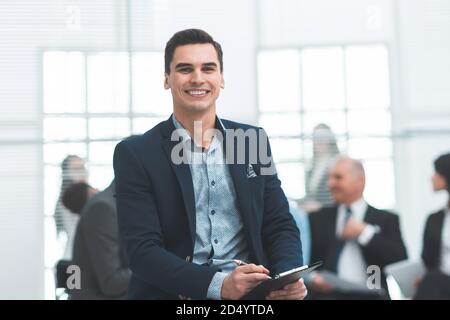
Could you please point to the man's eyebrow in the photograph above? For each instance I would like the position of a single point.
(209, 64)
(183, 65)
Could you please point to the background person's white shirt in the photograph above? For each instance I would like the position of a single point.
(351, 265)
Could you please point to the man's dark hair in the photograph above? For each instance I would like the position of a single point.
(442, 166)
(189, 36)
(75, 196)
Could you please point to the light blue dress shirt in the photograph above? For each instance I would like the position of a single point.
(219, 235)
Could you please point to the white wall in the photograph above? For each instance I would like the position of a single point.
(26, 27)
(422, 110)
(415, 30)
(305, 22)
(417, 33)
(231, 23)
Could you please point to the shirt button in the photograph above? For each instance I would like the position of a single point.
(213, 183)
(213, 212)
(216, 241)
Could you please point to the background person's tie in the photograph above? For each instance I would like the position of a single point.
(339, 242)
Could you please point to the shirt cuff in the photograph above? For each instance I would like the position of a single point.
(367, 234)
(215, 287)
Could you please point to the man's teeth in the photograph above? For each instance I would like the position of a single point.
(197, 92)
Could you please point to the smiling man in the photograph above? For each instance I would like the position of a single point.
(187, 227)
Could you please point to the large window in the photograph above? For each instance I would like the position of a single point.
(90, 102)
(345, 87)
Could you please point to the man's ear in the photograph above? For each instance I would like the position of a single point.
(166, 81)
(222, 83)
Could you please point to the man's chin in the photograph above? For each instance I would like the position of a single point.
(198, 108)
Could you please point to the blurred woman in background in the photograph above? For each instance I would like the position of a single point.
(73, 170)
(325, 151)
(436, 241)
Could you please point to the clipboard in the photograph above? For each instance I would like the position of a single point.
(279, 281)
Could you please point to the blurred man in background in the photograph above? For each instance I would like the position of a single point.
(352, 235)
(97, 250)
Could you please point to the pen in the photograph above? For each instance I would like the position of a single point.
(240, 262)
(243, 263)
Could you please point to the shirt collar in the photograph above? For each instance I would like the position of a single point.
(359, 208)
(184, 134)
(181, 131)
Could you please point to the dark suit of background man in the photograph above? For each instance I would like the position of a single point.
(185, 224)
(352, 235)
(436, 240)
(97, 251)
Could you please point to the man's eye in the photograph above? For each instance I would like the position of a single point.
(184, 70)
(208, 69)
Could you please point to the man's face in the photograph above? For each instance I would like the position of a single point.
(345, 186)
(77, 170)
(195, 77)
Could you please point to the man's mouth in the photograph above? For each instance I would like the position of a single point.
(198, 93)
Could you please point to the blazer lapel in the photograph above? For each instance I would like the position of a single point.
(371, 216)
(184, 177)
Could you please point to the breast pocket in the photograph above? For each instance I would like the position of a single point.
(256, 181)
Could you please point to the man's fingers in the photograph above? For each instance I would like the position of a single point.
(296, 285)
(264, 269)
(294, 290)
(251, 268)
(256, 277)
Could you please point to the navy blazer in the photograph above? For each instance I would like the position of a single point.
(386, 247)
(156, 214)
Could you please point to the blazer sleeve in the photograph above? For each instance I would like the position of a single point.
(100, 233)
(387, 246)
(280, 235)
(141, 232)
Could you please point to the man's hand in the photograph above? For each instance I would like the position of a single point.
(293, 291)
(319, 284)
(352, 229)
(243, 279)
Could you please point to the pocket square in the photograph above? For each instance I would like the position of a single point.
(250, 172)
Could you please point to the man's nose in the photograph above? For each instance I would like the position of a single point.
(197, 77)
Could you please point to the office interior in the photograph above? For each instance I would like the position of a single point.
(78, 76)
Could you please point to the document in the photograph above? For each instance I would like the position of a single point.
(279, 281)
